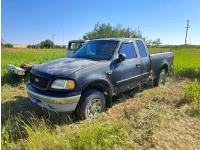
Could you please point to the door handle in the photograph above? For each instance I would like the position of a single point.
(109, 72)
(138, 65)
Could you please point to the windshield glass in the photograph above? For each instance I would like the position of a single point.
(97, 50)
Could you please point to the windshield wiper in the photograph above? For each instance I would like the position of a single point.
(91, 58)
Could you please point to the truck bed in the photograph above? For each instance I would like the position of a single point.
(161, 58)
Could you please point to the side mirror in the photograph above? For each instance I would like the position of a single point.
(122, 57)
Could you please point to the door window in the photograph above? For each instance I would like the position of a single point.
(141, 48)
(129, 50)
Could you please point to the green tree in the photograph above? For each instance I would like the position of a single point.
(107, 31)
(47, 44)
(156, 42)
(8, 45)
(34, 46)
(2, 45)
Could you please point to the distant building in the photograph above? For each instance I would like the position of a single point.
(19, 46)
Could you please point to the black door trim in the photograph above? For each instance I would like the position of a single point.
(131, 78)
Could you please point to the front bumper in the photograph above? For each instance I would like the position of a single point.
(54, 102)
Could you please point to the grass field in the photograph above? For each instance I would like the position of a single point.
(22, 56)
(140, 119)
(186, 60)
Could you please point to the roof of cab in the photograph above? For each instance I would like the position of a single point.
(77, 41)
(113, 39)
(120, 39)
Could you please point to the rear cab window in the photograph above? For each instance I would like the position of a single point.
(129, 50)
(141, 47)
(75, 46)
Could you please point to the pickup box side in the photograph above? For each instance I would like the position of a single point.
(161, 61)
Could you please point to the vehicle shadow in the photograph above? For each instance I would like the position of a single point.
(130, 94)
(22, 107)
(12, 79)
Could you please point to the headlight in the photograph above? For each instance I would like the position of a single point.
(63, 84)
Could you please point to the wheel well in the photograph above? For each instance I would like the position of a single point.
(165, 66)
(103, 87)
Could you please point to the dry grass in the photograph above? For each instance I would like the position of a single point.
(174, 130)
(12, 92)
(146, 120)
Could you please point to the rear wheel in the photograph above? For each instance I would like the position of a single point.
(91, 104)
(161, 78)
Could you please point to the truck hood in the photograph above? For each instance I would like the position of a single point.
(64, 67)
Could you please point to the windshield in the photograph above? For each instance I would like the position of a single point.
(97, 50)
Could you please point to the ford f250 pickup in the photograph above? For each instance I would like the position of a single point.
(99, 70)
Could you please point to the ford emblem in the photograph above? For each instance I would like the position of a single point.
(36, 80)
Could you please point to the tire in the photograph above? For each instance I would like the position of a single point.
(160, 80)
(92, 103)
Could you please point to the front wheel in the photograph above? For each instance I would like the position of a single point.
(161, 78)
(91, 104)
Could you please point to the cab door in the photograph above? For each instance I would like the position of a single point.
(145, 60)
(130, 68)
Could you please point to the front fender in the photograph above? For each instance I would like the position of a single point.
(92, 79)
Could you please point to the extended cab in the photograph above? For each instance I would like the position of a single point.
(99, 70)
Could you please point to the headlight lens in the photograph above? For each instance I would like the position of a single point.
(63, 84)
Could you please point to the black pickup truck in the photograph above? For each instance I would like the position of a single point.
(99, 70)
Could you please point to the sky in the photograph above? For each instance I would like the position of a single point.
(31, 21)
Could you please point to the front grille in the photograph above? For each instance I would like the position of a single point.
(39, 81)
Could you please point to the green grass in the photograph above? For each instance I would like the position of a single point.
(154, 118)
(193, 98)
(186, 61)
(193, 92)
(21, 56)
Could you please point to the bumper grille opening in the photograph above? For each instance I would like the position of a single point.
(39, 81)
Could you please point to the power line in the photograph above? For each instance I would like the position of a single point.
(186, 31)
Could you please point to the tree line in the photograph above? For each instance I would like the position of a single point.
(46, 44)
(6, 45)
(108, 31)
(103, 30)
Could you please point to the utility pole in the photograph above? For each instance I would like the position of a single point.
(189, 41)
(186, 32)
(63, 34)
(53, 36)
